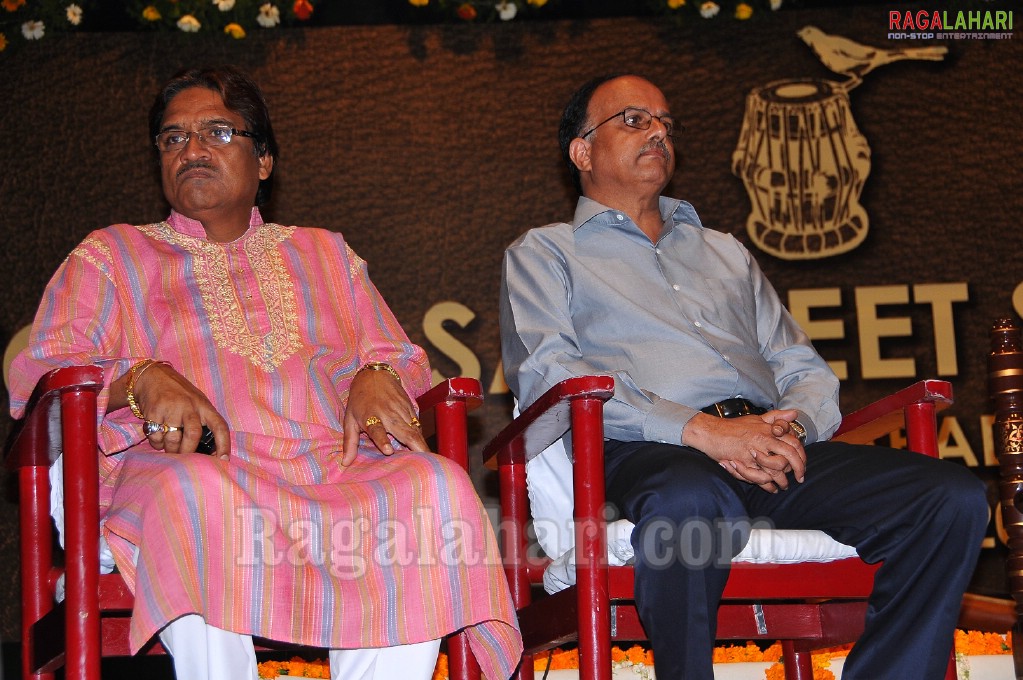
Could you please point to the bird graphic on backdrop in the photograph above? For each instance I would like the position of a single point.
(848, 57)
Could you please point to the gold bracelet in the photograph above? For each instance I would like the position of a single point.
(379, 366)
(134, 374)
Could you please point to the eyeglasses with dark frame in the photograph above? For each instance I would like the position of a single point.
(209, 136)
(641, 119)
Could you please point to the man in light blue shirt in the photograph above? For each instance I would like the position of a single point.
(717, 392)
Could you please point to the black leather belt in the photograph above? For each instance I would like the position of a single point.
(733, 408)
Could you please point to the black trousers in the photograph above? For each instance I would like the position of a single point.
(924, 518)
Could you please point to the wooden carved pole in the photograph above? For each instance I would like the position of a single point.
(1005, 384)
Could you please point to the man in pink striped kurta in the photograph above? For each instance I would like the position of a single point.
(313, 521)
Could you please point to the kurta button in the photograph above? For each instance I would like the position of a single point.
(620, 217)
(698, 324)
(677, 287)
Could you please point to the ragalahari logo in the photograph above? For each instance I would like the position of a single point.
(944, 25)
(801, 157)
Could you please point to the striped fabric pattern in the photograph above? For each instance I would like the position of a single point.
(279, 542)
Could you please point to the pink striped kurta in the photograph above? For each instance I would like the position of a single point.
(279, 542)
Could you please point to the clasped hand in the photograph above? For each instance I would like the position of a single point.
(760, 449)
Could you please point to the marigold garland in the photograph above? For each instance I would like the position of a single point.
(297, 668)
(967, 643)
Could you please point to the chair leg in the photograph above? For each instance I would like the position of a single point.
(36, 560)
(798, 665)
(525, 670)
(81, 483)
(461, 662)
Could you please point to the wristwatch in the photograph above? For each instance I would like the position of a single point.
(798, 429)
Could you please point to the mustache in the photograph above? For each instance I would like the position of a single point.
(192, 166)
(656, 144)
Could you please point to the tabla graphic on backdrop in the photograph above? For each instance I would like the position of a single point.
(803, 160)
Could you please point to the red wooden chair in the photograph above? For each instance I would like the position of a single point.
(805, 605)
(92, 620)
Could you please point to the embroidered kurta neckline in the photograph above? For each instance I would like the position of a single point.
(261, 327)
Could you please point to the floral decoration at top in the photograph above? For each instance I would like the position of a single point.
(233, 18)
(24, 21)
(485, 10)
(506, 10)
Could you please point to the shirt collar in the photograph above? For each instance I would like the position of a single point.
(679, 211)
(194, 228)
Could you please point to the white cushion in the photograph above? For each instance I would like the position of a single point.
(549, 485)
(106, 558)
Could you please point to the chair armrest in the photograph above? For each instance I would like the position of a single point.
(460, 389)
(450, 402)
(61, 418)
(545, 421)
(37, 439)
(920, 400)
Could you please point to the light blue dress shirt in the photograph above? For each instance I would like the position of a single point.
(680, 324)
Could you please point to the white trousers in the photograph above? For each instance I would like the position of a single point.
(203, 652)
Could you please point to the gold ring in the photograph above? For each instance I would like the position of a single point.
(415, 422)
(372, 420)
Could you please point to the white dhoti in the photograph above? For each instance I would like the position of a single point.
(204, 652)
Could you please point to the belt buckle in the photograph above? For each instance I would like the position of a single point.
(745, 408)
(734, 407)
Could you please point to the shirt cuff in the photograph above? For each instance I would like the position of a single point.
(666, 420)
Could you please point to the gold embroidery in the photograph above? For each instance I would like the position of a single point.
(84, 251)
(230, 330)
(355, 263)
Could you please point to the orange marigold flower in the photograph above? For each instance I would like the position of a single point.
(743, 11)
(269, 669)
(235, 31)
(440, 671)
(419, 3)
(12, 5)
(563, 660)
(777, 672)
(976, 643)
(466, 11)
(150, 13)
(735, 654)
(675, 4)
(303, 9)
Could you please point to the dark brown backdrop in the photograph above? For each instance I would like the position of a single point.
(432, 148)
